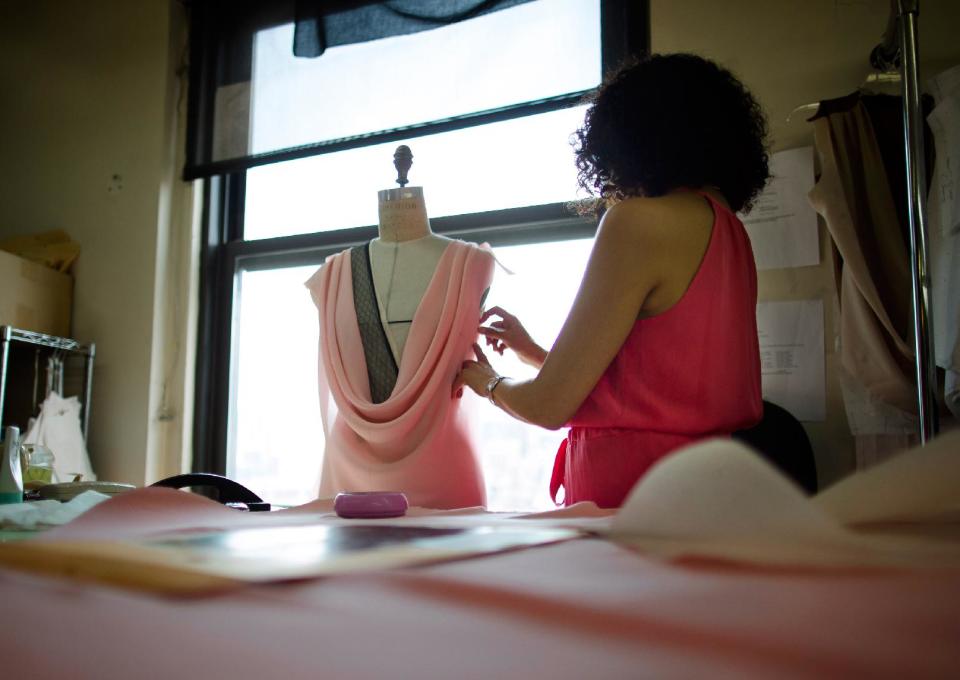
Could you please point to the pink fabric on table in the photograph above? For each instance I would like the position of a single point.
(143, 512)
(417, 441)
(585, 608)
(690, 373)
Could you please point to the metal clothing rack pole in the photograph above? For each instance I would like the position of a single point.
(901, 36)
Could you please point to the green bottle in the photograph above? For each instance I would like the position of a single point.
(11, 478)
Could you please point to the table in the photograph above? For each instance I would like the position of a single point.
(585, 608)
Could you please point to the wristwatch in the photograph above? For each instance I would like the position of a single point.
(492, 385)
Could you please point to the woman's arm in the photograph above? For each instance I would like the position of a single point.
(624, 267)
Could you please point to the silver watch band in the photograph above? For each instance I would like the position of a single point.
(492, 385)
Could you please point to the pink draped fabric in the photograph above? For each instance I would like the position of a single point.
(417, 441)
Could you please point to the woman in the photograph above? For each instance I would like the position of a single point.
(660, 348)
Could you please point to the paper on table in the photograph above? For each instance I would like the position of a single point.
(782, 224)
(170, 541)
(206, 561)
(791, 356)
(718, 499)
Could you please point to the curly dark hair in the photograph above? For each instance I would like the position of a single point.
(670, 121)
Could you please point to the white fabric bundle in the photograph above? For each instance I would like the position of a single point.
(58, 429)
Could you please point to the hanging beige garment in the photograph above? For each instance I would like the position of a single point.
(853, 196)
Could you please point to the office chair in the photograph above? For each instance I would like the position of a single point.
(781, 440)
(224, 490)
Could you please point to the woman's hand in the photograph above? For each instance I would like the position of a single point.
(474, 374)
(509, 332)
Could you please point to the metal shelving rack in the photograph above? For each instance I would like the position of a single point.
(9, 335)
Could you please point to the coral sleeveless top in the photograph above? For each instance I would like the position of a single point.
(689, 373)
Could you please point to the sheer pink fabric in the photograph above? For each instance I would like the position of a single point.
(417, 441)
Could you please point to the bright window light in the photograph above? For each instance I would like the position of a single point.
(277, 437)
(518, 458)
(527, 161)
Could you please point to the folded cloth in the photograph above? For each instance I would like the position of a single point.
(40, 514)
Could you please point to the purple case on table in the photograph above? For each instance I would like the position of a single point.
(370, 504)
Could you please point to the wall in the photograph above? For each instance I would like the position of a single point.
(90, 127)
(790, 53)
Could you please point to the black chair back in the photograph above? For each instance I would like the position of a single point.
(781, 440)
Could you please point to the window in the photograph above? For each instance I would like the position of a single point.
(517, 458)
(464, 171)
(490, 138)
(525, 53)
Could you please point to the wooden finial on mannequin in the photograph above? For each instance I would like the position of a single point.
(403, 213)
(402, 161)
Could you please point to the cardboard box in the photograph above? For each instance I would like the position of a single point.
(34, 297)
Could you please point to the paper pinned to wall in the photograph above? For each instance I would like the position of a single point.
(782, 224)
(791, 356)
(944, 122)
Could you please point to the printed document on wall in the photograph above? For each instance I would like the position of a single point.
(791, 356)
(782, 224)
(944, 122)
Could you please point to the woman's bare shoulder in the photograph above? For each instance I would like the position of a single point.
(662, 220)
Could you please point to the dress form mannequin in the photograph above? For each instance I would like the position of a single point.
(404, 256)
(398, 316)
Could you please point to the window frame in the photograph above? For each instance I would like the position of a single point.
(224, 254)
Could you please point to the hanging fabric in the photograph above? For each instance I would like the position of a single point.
(382, 367)
(58, 429)
(862, 197)
(417, 440)
(321, 24)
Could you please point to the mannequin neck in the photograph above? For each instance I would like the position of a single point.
(403, 214)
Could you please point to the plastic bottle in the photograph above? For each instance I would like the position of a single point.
(36, 463)
(11, 479)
